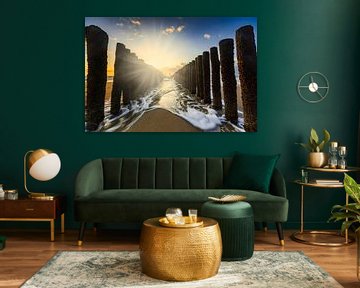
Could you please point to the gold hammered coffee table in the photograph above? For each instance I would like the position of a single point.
(180, 254)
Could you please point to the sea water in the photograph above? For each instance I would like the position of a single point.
(171, 96)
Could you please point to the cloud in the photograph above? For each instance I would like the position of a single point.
(180, 28)
(207, 36)
(120, 24)
(172, 29)
(135, 22)
(169, 30)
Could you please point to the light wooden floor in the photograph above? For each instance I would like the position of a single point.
(28, 250)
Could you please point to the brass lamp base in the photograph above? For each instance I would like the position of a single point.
(41, 196)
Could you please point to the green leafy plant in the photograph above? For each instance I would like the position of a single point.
(314, 144)
(349, 214)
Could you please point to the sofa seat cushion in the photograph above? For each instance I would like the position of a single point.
(179, 195)
(266, 207)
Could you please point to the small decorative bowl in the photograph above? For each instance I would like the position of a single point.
(228, 198)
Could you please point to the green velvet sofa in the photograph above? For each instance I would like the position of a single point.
(130, 190)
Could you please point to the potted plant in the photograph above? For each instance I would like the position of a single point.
(350, 214)
(317, 157)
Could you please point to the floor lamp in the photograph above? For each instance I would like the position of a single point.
(42, 165)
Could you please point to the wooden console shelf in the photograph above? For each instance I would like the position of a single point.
(26, 209)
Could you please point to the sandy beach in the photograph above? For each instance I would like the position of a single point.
(160, 120)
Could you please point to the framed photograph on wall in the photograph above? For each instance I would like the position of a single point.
(170, 74)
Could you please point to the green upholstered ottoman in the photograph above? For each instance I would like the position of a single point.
(236, 223)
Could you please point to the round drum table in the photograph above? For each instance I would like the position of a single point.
(180, 254)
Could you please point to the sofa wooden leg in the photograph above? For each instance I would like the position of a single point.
(81, 233)
(265, 227)
(280, 233)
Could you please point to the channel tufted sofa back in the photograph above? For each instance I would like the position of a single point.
(164, 173)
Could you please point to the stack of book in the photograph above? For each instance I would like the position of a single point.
(327, 181)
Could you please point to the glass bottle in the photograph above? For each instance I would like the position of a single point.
(2, 192)
(342, 154)
(304, 176)
(333, 162)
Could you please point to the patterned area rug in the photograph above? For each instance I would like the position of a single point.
(122, 269)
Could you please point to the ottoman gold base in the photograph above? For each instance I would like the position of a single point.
(184, 254)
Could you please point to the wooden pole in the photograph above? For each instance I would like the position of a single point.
(206, 77)
(200, 84)
(188, 76)
(97, 43)
(215, 78)
(193, 78)
(118, 82)
(228, 78)
(126, 72)
(247, 65)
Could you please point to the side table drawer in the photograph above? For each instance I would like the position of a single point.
(30, 209)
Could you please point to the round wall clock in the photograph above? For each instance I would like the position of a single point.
(313, 87)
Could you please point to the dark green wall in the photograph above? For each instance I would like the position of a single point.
(42, 90)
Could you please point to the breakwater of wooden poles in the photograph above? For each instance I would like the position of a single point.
(197, 77)
(132, 77)
(210, 76)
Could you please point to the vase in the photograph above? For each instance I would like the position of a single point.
(317, 159)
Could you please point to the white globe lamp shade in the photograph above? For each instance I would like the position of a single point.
(44, 164)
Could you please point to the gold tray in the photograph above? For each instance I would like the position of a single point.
(228, 198)
(165, 222)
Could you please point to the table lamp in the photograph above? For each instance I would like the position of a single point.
(43, 165)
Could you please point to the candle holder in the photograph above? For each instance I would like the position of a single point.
(342, 153)
(333, 162)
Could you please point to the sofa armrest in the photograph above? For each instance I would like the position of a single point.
(277, 184)
(89, 179)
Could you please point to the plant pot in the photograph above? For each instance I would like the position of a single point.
(358, 254)
(317, 159)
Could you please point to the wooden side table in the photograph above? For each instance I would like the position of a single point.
(26, 209)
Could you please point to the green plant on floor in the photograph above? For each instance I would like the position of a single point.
(349, 214)
(314, 144)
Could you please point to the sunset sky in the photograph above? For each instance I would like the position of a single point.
(167, 43)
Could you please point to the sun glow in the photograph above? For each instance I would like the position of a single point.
(164, 52)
